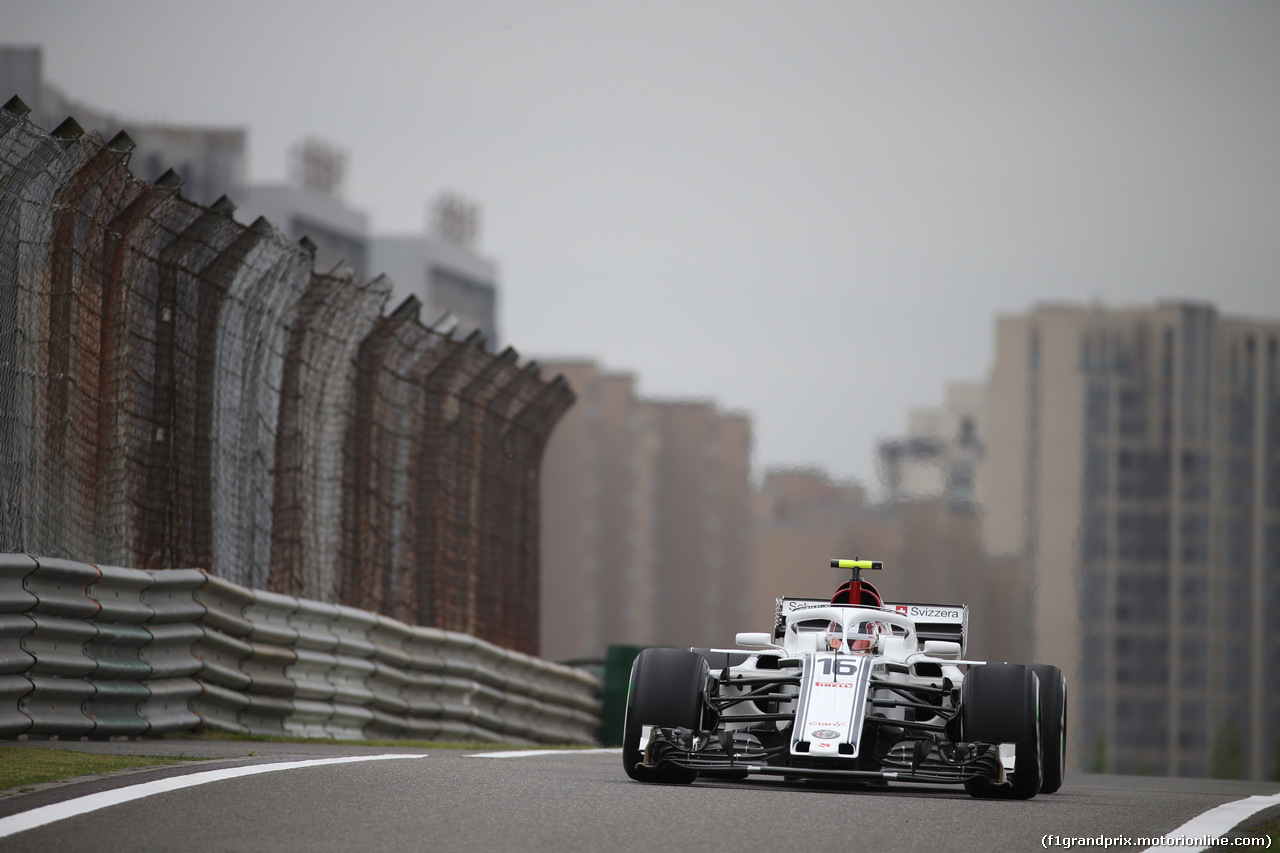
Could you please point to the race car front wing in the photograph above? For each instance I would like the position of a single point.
(739, 754)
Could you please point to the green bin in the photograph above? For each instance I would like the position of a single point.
(617, 675)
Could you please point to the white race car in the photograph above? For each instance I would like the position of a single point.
(849, 690)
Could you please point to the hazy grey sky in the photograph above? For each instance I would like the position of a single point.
(810, 211)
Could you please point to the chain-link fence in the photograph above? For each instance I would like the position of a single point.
(178, 389)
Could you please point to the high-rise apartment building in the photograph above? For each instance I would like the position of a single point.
(310, 204)
(597, 472)
(443, 269)
(1133, 462)
(703, 550)
(940, 456)
(646, 514)
(802, 521)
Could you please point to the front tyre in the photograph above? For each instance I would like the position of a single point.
(1053, 724)
(1001, 704)
(665, 690)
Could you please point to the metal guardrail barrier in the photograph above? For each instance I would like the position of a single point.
(118, 593)
(13, 720)
(14, 596)
(168, 707)
(13, 657)
(103, 651)
(56, 706)
(169, 654)
(57, 645)
(61, 588)
(175, 597)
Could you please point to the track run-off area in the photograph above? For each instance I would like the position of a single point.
(305, 797)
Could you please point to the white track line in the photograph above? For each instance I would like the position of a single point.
(523, 753)
(92, 802)
(1216, 823)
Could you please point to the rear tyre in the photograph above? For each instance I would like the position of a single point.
(1001, 704)
(665, 690)
(1053, 725)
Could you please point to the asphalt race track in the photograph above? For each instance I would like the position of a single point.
(453, 800)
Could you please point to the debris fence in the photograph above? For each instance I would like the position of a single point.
(178, 389)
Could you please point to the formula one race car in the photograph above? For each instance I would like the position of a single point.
(849, 690)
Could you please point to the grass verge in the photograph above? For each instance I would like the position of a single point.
(1270, 829)
(404, 744)
(25, 766)
(22, 767)
(1265, 824)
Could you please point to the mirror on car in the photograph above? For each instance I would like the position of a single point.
(942, 648)
(757, 639)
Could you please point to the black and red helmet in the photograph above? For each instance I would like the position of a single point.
(858, 592)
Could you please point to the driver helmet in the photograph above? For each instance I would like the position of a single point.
(862, 636)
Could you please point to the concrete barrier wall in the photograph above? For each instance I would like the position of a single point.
(103, 651)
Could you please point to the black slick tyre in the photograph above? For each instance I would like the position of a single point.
(665, 690)
(1001, 704)
(1053, 725)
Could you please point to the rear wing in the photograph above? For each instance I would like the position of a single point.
(949, 622)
